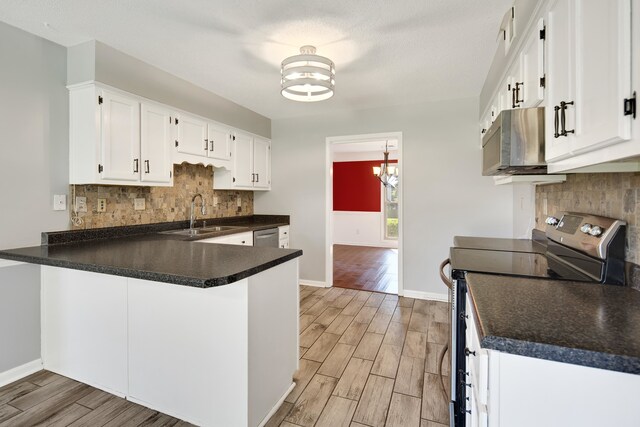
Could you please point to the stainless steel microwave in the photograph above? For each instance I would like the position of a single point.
(514, 144)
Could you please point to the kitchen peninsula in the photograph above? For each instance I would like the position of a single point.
(205, 332)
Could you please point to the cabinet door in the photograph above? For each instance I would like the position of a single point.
(155, 143)
(242, 160)
(192, 135)
(603, 72)
(559, 78)
(219, 142)
(514, 77)
(531, 89)
(261, 163)
(120, 139)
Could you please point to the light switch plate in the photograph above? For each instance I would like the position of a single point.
(102, 205)
(138, 204)
(215, 200)
(59, 202)
(239, 201)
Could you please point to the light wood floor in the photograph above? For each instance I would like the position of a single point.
(48, 399)
(367, 359)
(365, 268)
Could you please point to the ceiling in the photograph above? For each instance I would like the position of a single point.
(386, 52)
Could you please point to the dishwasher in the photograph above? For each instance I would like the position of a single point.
(266, 238)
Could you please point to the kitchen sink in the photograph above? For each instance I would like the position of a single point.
(200, 231)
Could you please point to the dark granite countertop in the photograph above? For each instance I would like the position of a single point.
(580, 323)
(146, 254)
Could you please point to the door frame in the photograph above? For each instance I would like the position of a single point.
(346, 139)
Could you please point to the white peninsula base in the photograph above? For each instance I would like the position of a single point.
(221, 356)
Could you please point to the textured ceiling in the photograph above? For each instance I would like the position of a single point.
(386, 52)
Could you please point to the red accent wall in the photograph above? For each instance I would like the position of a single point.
(355, 188)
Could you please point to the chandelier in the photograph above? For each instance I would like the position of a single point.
(388, 175)
(307, 77)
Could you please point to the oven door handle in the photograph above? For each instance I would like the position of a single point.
(443, 276)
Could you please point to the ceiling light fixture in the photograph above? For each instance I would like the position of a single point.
(388, 175)
(307, 77)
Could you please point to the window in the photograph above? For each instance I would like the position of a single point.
(390, 208)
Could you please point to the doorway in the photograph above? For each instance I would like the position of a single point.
(364, 217)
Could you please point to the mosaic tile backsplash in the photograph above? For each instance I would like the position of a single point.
(162, 204)
(614, 195)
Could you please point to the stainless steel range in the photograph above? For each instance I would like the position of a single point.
(575, 246)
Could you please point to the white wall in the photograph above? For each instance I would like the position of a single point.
(443, 190)
(360, 229)
(33, 166)
(96, 61)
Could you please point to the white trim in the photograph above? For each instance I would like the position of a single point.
(10, 263)
(387, 244)
(19, 372)
(315, 283)
(277, 406)
(329, 196)
(432, 296)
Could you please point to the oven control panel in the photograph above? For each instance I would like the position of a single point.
(585, 232)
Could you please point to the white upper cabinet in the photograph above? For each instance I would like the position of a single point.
(114, 138)
(192, 135)
(589, 76)
(559, 114)
(530, 86)
(251, 170)
(261, 163)
(575, 61)
(120, 137)
(156, 137)
(603, 72)
(117, 138)
(219, 140)
(242, 160)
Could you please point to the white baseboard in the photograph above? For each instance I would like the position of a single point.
(381, 244)
(277, 405)
(19, 372)
(315, 283)
(432, 296)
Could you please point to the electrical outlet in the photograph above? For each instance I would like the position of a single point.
(138, 204)
(239, 201)
(102, 205)
(544, 206)
(59, 202)
(215, 200)
(81, 204)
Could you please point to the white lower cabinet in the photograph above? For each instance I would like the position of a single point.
(84, 327)
(220, 356)
(510, 390)
(244, 239)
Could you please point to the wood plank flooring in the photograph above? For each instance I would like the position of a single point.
(365, 268)
(367, 359)
(371, 363)
(48, 399)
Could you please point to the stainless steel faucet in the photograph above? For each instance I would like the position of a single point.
(192, 217)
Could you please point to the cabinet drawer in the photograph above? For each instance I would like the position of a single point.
(244, 239)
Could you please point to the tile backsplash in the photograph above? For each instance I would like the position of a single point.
(614, 195)
(162, 204)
